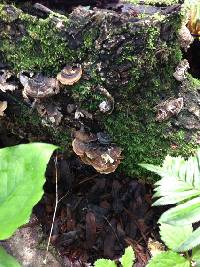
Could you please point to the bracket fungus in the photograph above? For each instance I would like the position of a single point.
(169, 108)
(107, 105)
(3, 107)
(97, 150)
(38, 86)
(4, 84)
(185, 37)
(181, 70)
(50, 112)
(70, 74)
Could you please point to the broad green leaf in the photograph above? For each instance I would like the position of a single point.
(128, 258)
(192, 241)
(6, 260)
(196, 253)
(174, 236)
(168, 259)
(22, 170)
(104, 263)
(183, 214)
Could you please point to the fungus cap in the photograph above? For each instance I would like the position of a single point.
(70, 74)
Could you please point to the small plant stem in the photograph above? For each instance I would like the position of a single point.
(54, 214)
(188, 257)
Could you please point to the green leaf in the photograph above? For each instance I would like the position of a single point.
(128, 258)
(192, 241)
(180, 179)
(22, 170)
(174, 236)
(180, 184)
(196, 254)
(104, 263)
(174, 197)
(6, 260)
(183, 214)
(168, 259)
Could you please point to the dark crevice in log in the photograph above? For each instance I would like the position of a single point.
(193, 57)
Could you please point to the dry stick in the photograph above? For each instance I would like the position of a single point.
(55, 209)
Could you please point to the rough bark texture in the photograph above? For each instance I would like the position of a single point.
(133, 56)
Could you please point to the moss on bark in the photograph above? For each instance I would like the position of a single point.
(134, 59)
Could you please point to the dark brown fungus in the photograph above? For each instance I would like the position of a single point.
(105, 158)
(169, 108)
(70, 74)
(38, 86)
(50, 112)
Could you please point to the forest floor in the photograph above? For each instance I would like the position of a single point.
(98, 216)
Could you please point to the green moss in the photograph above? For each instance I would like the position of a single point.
(195, 83)
(4, 14)
(181, 147)
(31, 123)
(40, 49)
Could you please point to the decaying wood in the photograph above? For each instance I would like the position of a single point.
(132, 56)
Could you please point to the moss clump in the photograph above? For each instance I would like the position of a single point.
(32, 126)
(40, 48)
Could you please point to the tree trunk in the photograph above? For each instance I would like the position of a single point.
(128, 60)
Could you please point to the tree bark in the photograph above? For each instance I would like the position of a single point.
(132, 55)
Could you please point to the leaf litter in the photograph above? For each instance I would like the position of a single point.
(98, 215)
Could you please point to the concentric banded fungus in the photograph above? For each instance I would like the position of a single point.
(38, 86)
(169, 108)
(3, 106)
(70, 74)
(105, 158)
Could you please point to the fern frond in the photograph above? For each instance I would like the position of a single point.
(180, 179)
(192, 241)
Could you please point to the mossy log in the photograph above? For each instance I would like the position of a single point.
(132, 55)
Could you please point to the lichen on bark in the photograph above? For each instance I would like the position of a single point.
(132, 57)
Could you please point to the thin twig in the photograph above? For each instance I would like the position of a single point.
(54, 214)
(63, 197)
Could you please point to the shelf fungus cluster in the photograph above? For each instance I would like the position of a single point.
(169, 108)
(97, 150)
(38, 87)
